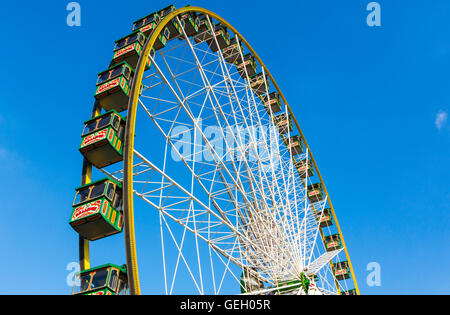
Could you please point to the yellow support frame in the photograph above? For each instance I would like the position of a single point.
(86, 178)
(133, 275)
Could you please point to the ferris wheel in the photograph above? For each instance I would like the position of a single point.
(189, 124)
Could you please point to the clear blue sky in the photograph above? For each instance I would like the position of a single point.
(377, 91)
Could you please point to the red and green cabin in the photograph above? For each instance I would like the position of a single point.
(258, 84)
(325, 218)
(349, 292)
(304, 168)
(232, 53)
(166, 11)
(204, 29)
(223, 38)
(97, 211)
(272, 103)
(283, 123)
(161, 40)
(333, 242)
(113, 87)
(189, 23)
(249, 63)
(129, 49)
(342, 270)
(315, 193)
(173, 26)
(108, 279)
(147, 24)
(294, 145)
(102, 139)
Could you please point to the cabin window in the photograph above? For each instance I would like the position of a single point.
(146, 21)
(103, 77)
(104, 122)
(132, 38)
(139, 24)
(113, 279)
(141, 39)
(98, 190)
(116, 72)
(121, 43)
(121, 132)
(82, 195)
(90, 127)
(117, 204)
(83, 283)
(99, 279)
(110, 193)
(116, 122)
(126, 73)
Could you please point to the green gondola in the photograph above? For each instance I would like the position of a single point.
(96, 210)
(272, 104)
(315, 193)
(342, 270)
(147, 24)
(258, 83)
(161, 40)
(249, 65)
(173, 26)
(304, 168)
(189, 23)
(324, 218)
(232, 53)
(102, 139)
(129, 49)
(113, 87)
(283, 123)
(294, 145)
(222, 36)
(333, 242)
(204, 29)
(107, 279)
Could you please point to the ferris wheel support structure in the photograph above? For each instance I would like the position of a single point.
(129, 152)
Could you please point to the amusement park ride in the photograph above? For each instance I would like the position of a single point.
(283, 230)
